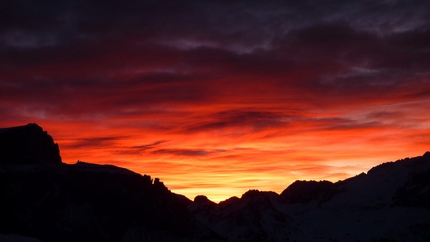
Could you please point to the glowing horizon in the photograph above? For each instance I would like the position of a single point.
(220, 164)
(216, 98)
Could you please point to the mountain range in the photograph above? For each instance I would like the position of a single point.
(46, 200)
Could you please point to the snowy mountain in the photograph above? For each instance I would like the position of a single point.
(391, 202)
(46, 200)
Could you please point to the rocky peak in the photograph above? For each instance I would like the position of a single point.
(257, 197)
(307, 191)
(28, 144)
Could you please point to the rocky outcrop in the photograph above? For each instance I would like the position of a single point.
(307, 191)
(27, 144)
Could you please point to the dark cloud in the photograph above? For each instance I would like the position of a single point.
(185, 152)
(354, 126)
(139, 149)
(148, 146)
(385, 115)
(94, 142)
(239, 25)
(239, 119)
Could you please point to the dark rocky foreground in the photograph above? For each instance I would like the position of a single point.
(45, 200)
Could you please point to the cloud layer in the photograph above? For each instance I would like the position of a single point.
(217, 97)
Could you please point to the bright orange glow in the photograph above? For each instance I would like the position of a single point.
(223, 100)
(192, 158)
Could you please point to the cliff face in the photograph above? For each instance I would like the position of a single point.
(27, 144)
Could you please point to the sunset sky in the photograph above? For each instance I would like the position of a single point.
(219, 97)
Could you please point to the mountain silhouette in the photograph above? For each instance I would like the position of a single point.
(46, 200)
(27, 144)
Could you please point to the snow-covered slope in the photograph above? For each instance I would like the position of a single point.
(386, 204)
(253, 217)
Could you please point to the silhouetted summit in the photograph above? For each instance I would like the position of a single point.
(307, 191)
(27, 144)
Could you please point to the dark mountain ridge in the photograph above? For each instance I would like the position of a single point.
(53, 201)
(28, 144)
(48, 200)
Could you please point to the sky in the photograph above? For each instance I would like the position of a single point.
(219, 97)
